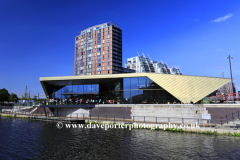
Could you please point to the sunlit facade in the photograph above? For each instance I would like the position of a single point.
(98, 50)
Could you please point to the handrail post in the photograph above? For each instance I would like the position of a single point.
(227, 119)
(233, 124)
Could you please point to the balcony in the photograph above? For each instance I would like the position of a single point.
(115, 34)
(115, 30)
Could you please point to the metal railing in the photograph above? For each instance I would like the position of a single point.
(213, 123)
(231, 117)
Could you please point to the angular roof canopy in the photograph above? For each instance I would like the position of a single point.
(183, 87)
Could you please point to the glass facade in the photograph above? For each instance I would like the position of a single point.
(135, 90)
(77, 89)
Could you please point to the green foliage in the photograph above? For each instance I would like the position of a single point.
(236, 134)
(207, 100)
(8, 116)
(4, 95)
(13, 97)
(25, 96)
(87, 121)
(93, 122)
(35, 98)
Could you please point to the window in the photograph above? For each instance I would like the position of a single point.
(89, 51)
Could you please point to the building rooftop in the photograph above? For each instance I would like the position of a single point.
(99, 26)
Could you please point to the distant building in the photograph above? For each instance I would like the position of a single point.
(98, 50)
(227, 88)
(143, 64)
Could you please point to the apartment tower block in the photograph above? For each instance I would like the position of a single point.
(98, 50)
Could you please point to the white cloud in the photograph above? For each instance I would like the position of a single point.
(220, 19)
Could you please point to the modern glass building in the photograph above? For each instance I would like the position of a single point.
(132, 88)
(97, 68)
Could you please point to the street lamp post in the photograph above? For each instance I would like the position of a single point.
(231, 75)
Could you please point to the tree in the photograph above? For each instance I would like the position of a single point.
(25, 96)
(35, 98)
(4, 94)
(13, 97)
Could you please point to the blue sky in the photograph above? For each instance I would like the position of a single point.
(37, 37)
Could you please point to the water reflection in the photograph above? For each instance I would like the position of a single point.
(22, 138)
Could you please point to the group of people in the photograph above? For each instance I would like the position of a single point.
(72, 101)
